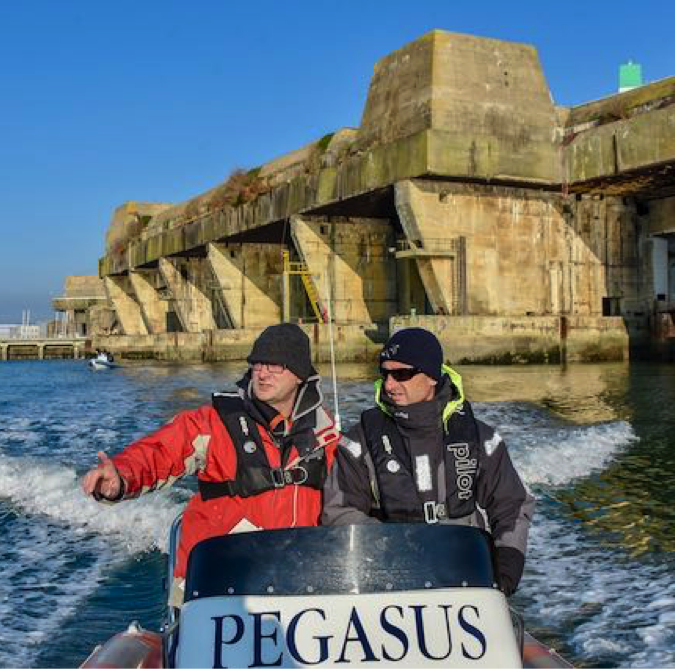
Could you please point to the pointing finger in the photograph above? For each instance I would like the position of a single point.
(103, 457)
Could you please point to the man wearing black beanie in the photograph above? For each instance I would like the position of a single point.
(420, 455)
(261, 453)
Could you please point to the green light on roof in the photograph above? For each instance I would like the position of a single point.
(630, 76)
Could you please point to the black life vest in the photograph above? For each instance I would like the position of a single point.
(254, 473)
(399, 497)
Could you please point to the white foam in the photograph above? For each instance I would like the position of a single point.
(554, 454)
(53, 491)
(662, 602)
(618, 610)
(39, 589)
(558, 457)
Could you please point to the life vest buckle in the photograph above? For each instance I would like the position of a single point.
(283, 477)
(279, 478)
(303, 475)
(433, 512)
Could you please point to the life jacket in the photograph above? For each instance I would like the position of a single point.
(400, 499)
(254, 474)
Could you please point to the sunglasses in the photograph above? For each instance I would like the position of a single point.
(400, 375)
(271, 367)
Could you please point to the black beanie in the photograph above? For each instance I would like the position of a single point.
(284, 344)
(417, 347)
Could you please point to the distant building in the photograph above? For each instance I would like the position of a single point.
(77, 308)
(25, 331)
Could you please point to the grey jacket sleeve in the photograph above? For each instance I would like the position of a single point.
(508, 504)
(348, 492)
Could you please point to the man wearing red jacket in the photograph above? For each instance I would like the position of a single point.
(261, 453)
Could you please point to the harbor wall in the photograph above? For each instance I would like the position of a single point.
(351, 343)
(543, 339)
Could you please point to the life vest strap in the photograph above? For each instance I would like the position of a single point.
(258, 480)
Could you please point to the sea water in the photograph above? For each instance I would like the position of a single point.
(595, 444)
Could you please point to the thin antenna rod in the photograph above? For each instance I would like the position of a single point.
(329, 311)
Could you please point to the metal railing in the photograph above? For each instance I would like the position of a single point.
(441, 245)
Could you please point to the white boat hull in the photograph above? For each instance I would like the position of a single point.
(97, 363)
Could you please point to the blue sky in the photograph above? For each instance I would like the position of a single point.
(103, 102)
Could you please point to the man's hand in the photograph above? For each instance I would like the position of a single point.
(103, 481)
(511, 563)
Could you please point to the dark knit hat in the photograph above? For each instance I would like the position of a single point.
(284, 344)
(416, 347)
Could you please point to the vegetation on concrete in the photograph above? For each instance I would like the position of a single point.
(323, 143)
(241, 187)
(132, 229)
(193, 208)
(552, 356)
(314, 162)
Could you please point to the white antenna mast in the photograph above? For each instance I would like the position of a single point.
(329, 313)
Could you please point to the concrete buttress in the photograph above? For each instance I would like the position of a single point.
(153, 309)
(248, 278)
(350, 264)
(128, 311)
(438, 254)
(186, 280)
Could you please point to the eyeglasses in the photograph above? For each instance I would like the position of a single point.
(400, 375)
(271, 367)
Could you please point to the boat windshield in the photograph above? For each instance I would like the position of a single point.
(354, 559)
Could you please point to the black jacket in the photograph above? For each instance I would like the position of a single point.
(432, 461)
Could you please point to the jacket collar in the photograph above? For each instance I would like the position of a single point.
(308, 399)
(453, 399)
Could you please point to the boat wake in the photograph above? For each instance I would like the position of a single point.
(53, 492)
(611, 609)
(45, 577)
(56, 545)
(617, 611)
(555, 453)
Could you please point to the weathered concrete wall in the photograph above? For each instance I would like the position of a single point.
(352, 343)
(535, 339)
(153, 309)
(596, 339)
(608, 227)
(504, 206)
(485, 100)
(351, 266)
(523, 255)
(81, 295)
(84, 287)
(412, 296)
(249, 281)
(446, 104)
(188, 281)
(661, 217)
(127, 310)
(624, 145)
(43, 349)
(129, 220)
(103, 320)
